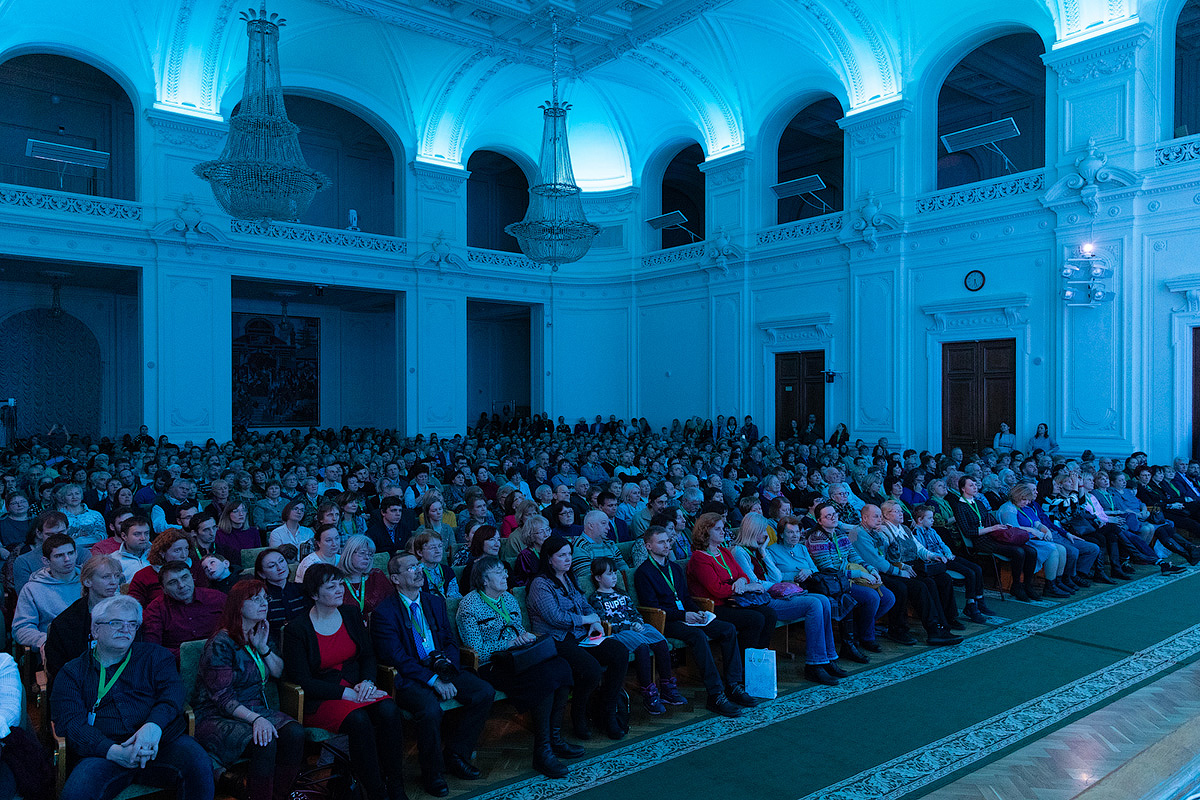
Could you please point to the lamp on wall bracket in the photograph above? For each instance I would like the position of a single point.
(1084, 274)
(555, 230)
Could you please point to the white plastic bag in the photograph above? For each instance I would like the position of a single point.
(760, 673)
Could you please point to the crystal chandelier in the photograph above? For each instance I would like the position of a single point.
(261, 175)
(555, 230)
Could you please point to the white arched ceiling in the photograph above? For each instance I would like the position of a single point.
(110, 40)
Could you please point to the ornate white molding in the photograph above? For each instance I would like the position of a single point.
(876, 125)
(330, 237)
(437, 178)
(1190, 289)
(440, 256)
(801, 229)
(719, 252)
(69, 203)
(685, 254)
(183, 131)
(1179, 151)
(1091, 173)
(1003, 311)
(868, 222)
(189, 224)
(1116, 55)
(808, 328)
(499, 258)
(982, 192)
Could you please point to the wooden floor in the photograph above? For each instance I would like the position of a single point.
(1075, 758)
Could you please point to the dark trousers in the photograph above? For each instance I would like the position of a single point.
(376, 737)
(601, 667)
(474, 694)
(972, 577)
(1022, 559)
(755, 624)
(942, 587)
(898, 616)
(181, 763)
(1183, 521)
(922, 595)
(1105, 537)
(724, 635)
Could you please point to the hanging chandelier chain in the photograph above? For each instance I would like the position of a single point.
(554, 56)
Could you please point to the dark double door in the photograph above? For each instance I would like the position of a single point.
(799, 390)
(979, 391)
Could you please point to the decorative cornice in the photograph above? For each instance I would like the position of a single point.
(1091, 172)
(977, 312)
(1180, 151)
(801, 229)
(810, 327)
(439, 178)
(876, 125)
(69, 203)
(499, 258)
(982, 192)
(685, 254)
(328, 237)
(1189, 287)
(1114, 53)
(181, 130)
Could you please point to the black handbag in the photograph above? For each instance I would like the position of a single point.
(930, 568)
(835, 586)
(521, 657)
(748, 599)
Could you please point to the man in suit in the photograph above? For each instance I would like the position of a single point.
(411, 632)
(618, 530)
(579, 498)
(388, 533)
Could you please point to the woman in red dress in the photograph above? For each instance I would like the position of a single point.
(328, 653)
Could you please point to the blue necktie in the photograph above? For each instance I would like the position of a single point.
(418, 627)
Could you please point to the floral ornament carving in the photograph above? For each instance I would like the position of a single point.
(868, 222)
(718, 252)
(1091, 174)
(188, 223)
(439, 256)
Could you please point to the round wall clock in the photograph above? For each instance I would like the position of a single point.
(974, 280)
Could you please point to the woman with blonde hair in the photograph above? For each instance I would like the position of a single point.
(233, 533)
(1051, 556)
(790, 602)
(366, 587)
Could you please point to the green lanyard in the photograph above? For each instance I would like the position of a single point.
(360, 596)
(433, 580)
(496, 605)
(258, 662)
(974, 510)
(720, 559)
(667, 574)
(105, 684)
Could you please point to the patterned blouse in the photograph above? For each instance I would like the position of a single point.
(482, 630)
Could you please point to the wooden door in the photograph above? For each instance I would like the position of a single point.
(979, 391)
(1195, 392)
(799, 390)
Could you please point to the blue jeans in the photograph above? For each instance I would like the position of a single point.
(871, 605)
(814, 609)
(182, 764)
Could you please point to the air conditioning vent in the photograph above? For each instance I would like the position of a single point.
(980, 135)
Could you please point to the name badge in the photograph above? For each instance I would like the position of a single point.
(679, 604)
(92, 719)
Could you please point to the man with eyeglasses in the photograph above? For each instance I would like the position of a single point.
(411, 631)
(120, 708)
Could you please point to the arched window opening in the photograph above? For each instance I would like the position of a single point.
(811, 144)
(683, 190)
(1187, 70)
(1003, 78)
(497, 196)
(62, 101)
(357, 160)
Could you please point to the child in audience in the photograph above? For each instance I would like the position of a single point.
(627, 627)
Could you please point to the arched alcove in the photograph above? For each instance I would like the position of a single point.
(357, 159)
(63, 101)
(1187, 70)
(497, 195)
(683, 190)
(812, 144)
(1001, 78)
(52, 366)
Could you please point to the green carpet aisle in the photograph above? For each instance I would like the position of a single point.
(918, 718)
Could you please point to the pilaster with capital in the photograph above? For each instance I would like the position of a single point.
(439, 200)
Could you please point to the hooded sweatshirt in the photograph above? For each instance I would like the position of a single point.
(42, 599)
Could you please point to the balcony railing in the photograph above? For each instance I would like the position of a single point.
(983, 191)
(329, 237)
(68, 203)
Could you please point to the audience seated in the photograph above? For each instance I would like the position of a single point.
(920, 515)
(411, 631)
(183, 612)
(48, 592)
(120, 708)
(232, 717)
(558, 609)
(328, 653)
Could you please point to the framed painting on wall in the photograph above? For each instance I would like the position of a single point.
(276, 370)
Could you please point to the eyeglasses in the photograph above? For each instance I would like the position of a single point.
(115, 625)
(410, 568)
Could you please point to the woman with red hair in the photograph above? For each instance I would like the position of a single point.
(232, 716)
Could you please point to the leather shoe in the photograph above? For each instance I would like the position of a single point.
(833, 669)
(1170, 569)
(737, 693)
(1119, 575)
(973, 614)
(436, 786)
(871, 646)
(1018, 593)
(901, 637)
(720, 704)
(1050, 590)
(462, 768)
(817, 675)
(1033, 593)
(955, 625)
(942, 637)
(1081, 581)
(851, 650)
(1100, 577)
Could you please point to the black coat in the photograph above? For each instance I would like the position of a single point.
(302, 658)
